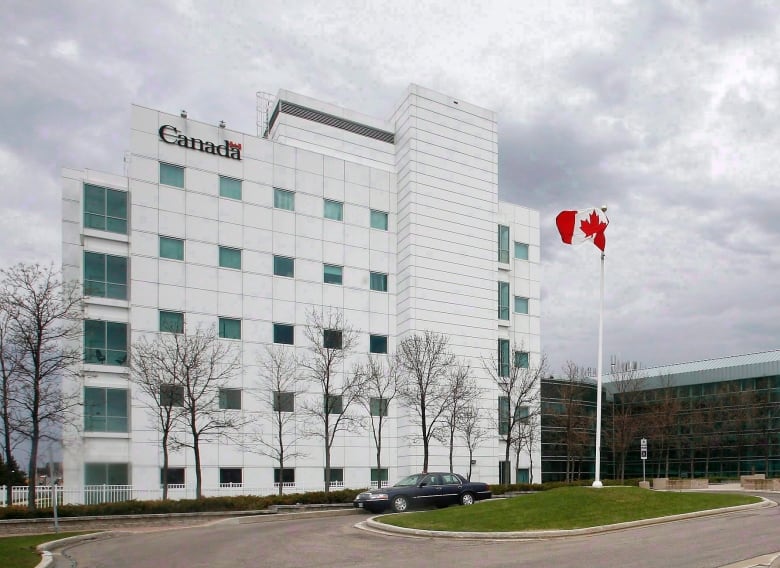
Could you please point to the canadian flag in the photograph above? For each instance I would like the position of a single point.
(576, 227)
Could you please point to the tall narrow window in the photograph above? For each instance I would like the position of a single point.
(378, 220)
(333, 210)
(171, 175)
(171, 248)
(503, 357)
(105, 410)
(503, 415)
(284, 266)
(521, 305)
(171, 322)
(284, 199)
(229, 187)
(105, 342)
(230, 258)
(379, 281)
(229, 328)
(503, 300)
(332, 274)
(105, 276)
(521, 251)
(503, 243)
(105, 209)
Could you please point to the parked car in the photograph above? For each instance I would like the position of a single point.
(423, 490)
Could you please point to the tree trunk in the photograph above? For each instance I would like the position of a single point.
(198, 473)
(327, 468)
(165, 467)
(507, 478)
(452, 444)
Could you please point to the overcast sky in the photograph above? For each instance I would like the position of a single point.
(667, 112)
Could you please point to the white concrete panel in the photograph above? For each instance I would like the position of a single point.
(145, 169)
(172, 272)
(356, 194)
(231, 211)
(173, 225)
(258, 172)
(202, 229)
(200, 301)
(231, 235)
(172, 298)
(258, 285)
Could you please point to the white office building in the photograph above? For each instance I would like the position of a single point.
(396, 223)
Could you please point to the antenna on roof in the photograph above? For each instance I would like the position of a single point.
(265, 102)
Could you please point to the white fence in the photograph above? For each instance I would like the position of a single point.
(92, 494)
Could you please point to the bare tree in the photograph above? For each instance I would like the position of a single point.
(381, 387)
(43, 315)
(518, 385)
(331, 339)
(528, 437)
(8, 410)
(627, 383)
(278, 388)
(424, 362)
(462, 390)
(471, 426)
(194, 368)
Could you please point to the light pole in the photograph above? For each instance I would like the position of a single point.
(597, 481)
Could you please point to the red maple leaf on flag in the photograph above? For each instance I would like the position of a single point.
(593, 225)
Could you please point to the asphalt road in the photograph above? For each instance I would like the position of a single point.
(335, 542)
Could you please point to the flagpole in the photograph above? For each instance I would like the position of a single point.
(597, 481)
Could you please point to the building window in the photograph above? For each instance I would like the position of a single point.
(503, 415)
(171, 175)
(284, 266)
(333, 404)
(171, 322)
(503, 243)
(503, 300)
(503, 357)
(106, 474)
(105, 209)
(331, 339)
(521, 305)
(105, 342)
(504, 472)
(284, 401)
(230, 258)
(229, 328)
(171, 248)
(231, 477)
(105, 410)
(333, 210)
(287, 475)
(175, 476)
(377, 343)
(379, 406)
(171, 396)
(284, 199)
(105, 276)
(284, 333)
(521, 359)
(229, 187)
(332, 274)
(379, 477)
(230, 399)
(521, 251)
(336, 475)
(379, 281)
(378, 220)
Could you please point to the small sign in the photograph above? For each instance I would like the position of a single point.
(644, 443)
(643, 454)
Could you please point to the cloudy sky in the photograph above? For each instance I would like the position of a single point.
(667, 112)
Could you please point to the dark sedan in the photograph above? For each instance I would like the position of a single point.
(423, 490)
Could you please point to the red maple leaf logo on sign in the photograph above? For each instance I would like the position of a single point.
(593, 225)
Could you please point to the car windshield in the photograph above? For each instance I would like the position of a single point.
(408, 481)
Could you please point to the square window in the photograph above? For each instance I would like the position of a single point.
(521, 251)
(229, 187)
(378, 220)
(503, 243)
(333, 210)
(336, 475)
(378, 475)
(105, 209)
(229, 328)
(284, 401)
(175, 476)
(171, 396)
(284, 199)
(171, 248)
(284, 333)
(171, 175)
(105, 276)
(503, 300)
(379, 281)
(521, 305)
(333, 404)
(284, 266)
(105, 342)
(105, 410)
(377, 343)
(108, 474)
(231, 476)
(230, 399)
(230, 258)
(332, 274)
(503, 357)
(379, 406)
(331, 339)
(171, 322)
(521, 359)
(284, 476)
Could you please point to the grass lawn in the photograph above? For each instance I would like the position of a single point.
(19, 551)
(566, 508)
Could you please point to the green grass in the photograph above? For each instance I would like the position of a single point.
(566, 508)
(19, 551)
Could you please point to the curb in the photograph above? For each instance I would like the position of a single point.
(45, 548)
(548, 534)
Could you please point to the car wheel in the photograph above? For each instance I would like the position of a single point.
(467, 499)
(400, 504)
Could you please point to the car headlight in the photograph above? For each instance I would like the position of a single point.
(378, 496)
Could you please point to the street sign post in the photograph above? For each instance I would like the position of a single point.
(643, 455)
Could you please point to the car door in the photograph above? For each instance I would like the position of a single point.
(428, 491)
(450, 489)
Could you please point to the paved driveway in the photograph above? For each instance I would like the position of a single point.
(335, 542)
